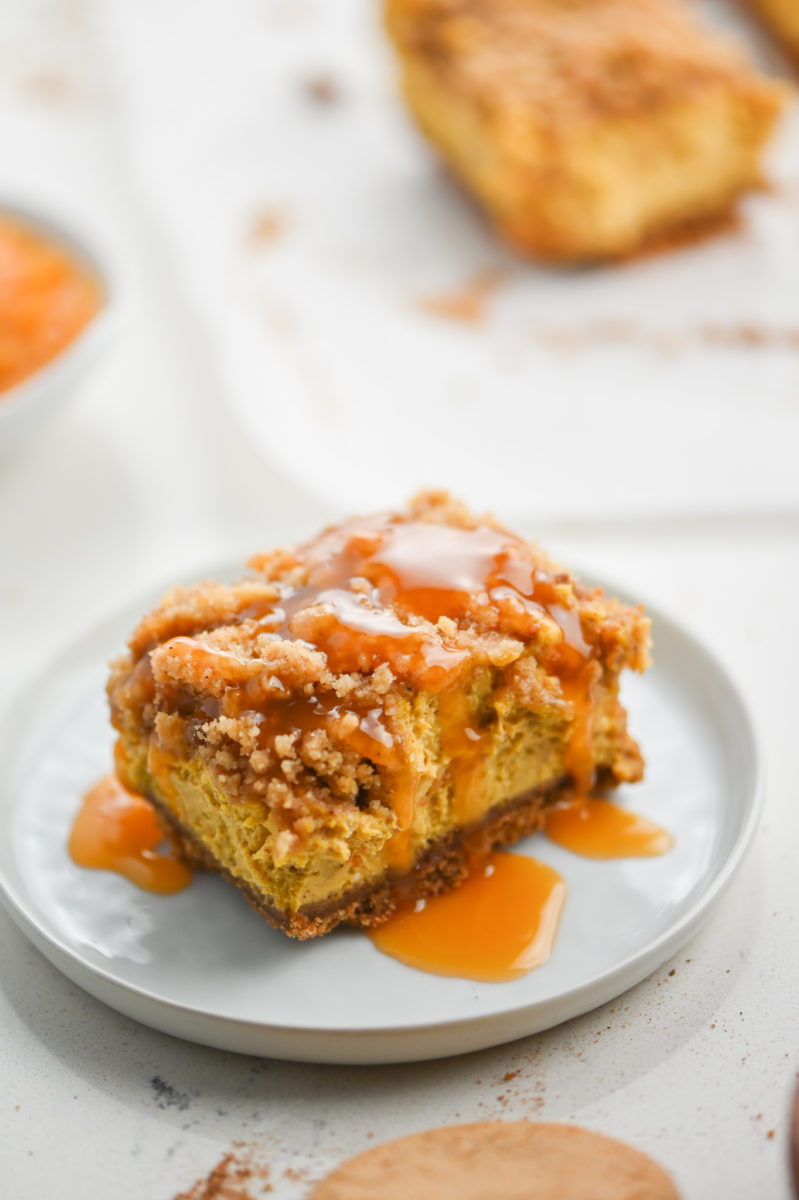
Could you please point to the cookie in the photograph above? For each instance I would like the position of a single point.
(518, 1160)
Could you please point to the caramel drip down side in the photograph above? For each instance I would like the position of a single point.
(466, 746)
(116, 830)
(406, 570)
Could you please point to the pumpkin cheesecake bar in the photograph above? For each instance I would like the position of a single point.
(586, 128)
(350, 723)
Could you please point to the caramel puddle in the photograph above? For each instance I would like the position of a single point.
(116, 830)
(598, 828)
(498, 925)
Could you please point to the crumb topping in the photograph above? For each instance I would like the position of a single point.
(567, 61)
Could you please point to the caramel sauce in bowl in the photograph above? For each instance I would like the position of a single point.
(60, 300)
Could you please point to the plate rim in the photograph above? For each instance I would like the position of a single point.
(380, 1044)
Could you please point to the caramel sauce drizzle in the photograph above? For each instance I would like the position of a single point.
(370, 580)
(597, 828)
(116, 830)
(371, 585)
(498, 925)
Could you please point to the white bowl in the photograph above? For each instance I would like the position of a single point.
(31, 402)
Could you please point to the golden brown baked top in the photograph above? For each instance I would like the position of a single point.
(569, 61)
(307, 676)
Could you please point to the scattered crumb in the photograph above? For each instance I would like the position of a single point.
(770, 1134)
(323, 89)
(167, 1096)
(294, 1173)
(51, 87)
(751, 334)
(742, 335)
(467, 304)
(233, 1178)
(266, 227)
(523, 1086)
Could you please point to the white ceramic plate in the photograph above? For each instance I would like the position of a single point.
(203, 966)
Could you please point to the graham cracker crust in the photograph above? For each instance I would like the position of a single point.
(444, 865)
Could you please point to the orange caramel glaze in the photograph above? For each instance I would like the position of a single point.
(372, 588)
(597, 828)
(45, 300)
(498, 925)
(116, 830)
(375, 577)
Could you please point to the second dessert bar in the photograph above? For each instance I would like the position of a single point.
(586, 128)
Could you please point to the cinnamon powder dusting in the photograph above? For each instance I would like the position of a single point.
(233, 1178)
(323, 89)
(468, 303)
(265, 228)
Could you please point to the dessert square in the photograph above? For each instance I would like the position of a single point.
(586, 128)
(349, 725)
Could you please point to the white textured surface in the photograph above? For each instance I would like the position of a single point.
(144, 477)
